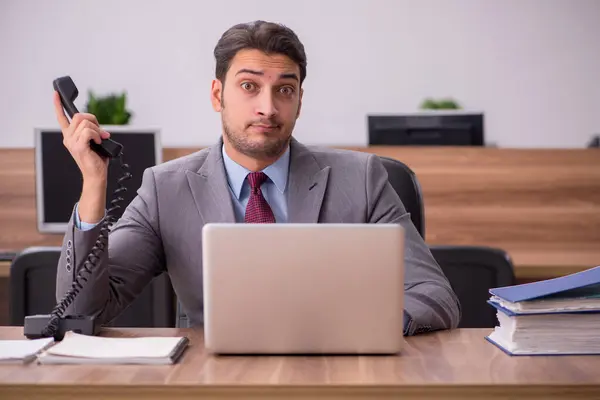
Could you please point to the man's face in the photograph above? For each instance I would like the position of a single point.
(259, 103)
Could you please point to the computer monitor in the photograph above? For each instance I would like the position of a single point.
(59, 181)
(427, 129)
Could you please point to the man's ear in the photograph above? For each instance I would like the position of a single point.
(300, 103)
(216, 95)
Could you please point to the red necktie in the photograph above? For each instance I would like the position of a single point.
(258, 210)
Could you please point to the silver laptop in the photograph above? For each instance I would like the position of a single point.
(303, 288)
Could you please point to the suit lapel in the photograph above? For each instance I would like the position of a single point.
(210, 189)
(307, 184)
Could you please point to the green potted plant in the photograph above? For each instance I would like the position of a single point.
(110, 109)
(440, 104)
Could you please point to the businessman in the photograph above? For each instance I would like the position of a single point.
(256, 173)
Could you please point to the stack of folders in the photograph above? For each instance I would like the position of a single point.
(555, 316)
(82, 349)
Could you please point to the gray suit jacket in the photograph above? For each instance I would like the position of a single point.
(161, 231)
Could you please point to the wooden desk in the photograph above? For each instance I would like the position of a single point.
(444, 365)
(4, 269)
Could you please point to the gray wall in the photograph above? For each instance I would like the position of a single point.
(533, 66)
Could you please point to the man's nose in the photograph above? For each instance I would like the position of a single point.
(266, 105)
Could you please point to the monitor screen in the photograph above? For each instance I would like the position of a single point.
(427, 129)
(59, 181)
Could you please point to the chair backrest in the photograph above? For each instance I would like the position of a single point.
(472, 271)
(33, 287)
(405, 183)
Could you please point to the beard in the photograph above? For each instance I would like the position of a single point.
(268, 148)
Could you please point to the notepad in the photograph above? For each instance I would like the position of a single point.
(22, 351)
(83, 349)
(555, 316)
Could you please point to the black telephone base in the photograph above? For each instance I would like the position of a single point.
(36, 324)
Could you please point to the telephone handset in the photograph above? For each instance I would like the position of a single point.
(68, 93)
(56, 323)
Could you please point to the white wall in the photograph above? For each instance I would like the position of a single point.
(532, 66)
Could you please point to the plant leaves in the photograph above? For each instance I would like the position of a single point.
(110, 109)
(441, 104)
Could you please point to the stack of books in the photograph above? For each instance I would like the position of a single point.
(555, 316)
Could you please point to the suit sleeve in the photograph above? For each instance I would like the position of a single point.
(81, 225)
(429, 301)
(133, 257)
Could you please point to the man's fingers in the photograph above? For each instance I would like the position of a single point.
(81, 117)
(60, 112)
(82, 128)
(91, 117)
(91, 134)
(87, 131)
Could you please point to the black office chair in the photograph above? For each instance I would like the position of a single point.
(472, 272)
(405, 183)
(33, 285)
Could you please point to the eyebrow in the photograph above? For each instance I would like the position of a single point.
(290, 75)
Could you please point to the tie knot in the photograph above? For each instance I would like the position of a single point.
(256, 179)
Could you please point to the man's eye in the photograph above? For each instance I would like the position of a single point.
(287, 90)
(248, 86)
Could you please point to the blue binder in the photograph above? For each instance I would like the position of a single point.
(532, 354)
(570, 288)
(581, 284)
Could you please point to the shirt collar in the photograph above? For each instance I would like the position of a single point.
(277, 172)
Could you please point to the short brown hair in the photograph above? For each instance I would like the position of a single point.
(269, 37)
